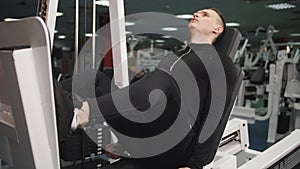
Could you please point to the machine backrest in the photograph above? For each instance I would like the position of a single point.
(28, 133)
(212, 143)
(226, 46)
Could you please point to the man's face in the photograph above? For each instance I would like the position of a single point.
(205, 21)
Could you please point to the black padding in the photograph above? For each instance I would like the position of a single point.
(258, 76)
(228, 44)
(67, 84)
(212, 143)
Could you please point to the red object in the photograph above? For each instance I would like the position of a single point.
(108, 60)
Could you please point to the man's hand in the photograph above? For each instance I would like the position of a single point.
(185, 168)
(84, 114)
(114, 150)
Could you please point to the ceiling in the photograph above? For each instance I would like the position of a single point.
(249, 13)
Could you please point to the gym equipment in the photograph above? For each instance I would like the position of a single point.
(28, 126)
(234, 151)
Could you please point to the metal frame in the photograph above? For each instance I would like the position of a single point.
(118, 40)
(48, 13)
(25, 50)
(274, 94)
(275, 152)
(274, 89)
(233, 150)
(262, 54)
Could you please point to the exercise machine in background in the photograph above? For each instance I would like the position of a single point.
(270, 73)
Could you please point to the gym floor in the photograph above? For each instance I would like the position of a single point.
(258, 133)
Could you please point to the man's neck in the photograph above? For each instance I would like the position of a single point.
(199, 38)
(199, 41)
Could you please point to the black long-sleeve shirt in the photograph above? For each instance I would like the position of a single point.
(150, 120)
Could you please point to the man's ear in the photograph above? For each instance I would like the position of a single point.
(218, 29)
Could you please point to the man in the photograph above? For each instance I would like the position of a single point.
(205, 27)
